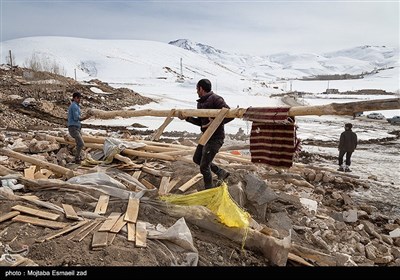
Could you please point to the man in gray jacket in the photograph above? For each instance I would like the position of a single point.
(347, 145)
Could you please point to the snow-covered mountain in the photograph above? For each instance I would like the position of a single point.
(353, 61)
(143, 62)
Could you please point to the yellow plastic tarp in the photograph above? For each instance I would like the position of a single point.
(219, 201)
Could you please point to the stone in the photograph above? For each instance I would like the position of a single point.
(344, 260)
(395, 233)
(327, 177)
(360, 248)
(310, 204)
(319, 190)
(395, 252)
(350, 216)
(396, 241)
(362, 214)
(387, 239)
(368, 208)
(383, 260)
(336, 196)
(340, 225)
(318, 177)
(360, 227)
(390, 227)
(370, 251)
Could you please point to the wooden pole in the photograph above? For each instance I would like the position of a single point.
(53, 167)
(348, 108)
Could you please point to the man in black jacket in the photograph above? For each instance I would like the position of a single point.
(347, 145)
(204, 155)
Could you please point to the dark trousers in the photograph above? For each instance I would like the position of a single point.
(348, 157)
(203, 156)
(75, 133)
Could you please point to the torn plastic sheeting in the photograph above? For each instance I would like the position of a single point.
(12, 184)
(179, 234)
(96, 179)
(113, 146)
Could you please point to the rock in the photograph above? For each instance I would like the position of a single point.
(347, 199)
(220, 258)
(362, 261)
(340, 225)
(397, 262)
(387, 239)
(350, 216)
(311, 176)
(395, 252)
(237, 193)
(344, 260)
(318, 177)
(390, 227)
(373, 177)
(327, 177)
(281, 222)
(310, 204)
(336, 196)
(370, 251)
(395, 233)
(396, 241)
(368, 208)
(337, 216)
(319, 190)
(362, 214)
(383, 260)
(370, 228)
(339, 180)
(360, 248)
(383, 249)
(360, 227)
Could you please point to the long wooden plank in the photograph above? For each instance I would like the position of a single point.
(61, 231)
(110, 238)
(131, 231)
(51, 166)
(172, 184)
(110, 222)
(132, 210)
(147, 184)
(39, 222)
(213, 126)
(141, 234)
(85, 233)
(99, 239)
(70, 212)
(162, 190)
(348, 108)
(80, 230)
(118, 225)
(8, 216)
(36, 212)
(298, 259)
(102, 203)
(191, 182)
(136, 174)
(160, 130)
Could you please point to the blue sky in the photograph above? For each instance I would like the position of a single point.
(251, 27)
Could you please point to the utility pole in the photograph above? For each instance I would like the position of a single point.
(11, 63)
(75, 73)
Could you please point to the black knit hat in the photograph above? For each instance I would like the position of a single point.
(349, 125)
(77, 94)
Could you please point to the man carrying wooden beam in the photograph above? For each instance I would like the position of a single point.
(206, 150)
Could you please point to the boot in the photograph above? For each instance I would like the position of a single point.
(222, 175)
(347, 169)
(340, 168)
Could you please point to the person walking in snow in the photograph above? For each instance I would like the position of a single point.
(204, 155)
(74, 124)
(347, 145)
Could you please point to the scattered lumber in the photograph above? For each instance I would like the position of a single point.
(160, 130)
(39, 222)
(70, 212)
(131, 231)
(118, 225)
(191, 182)
(162, 190)
(110, 222)
(99, 239)
(61, 231)
(141, 234)
(53, 167)
(36, 212)
(8, 216)
(102, 204)
(213, 126)
(132, 210)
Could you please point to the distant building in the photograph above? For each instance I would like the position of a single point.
(332, 90)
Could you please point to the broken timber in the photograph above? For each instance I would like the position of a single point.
(348, 108)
